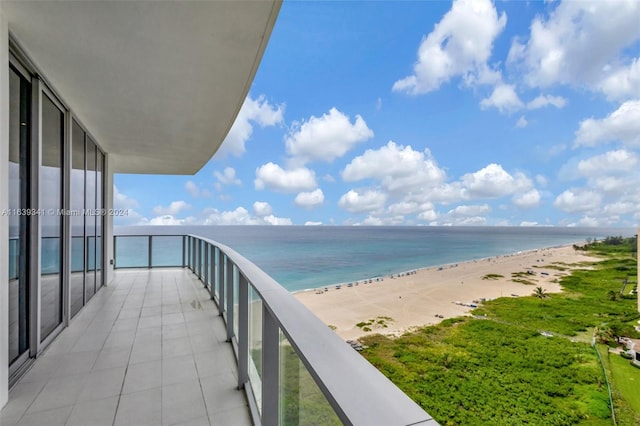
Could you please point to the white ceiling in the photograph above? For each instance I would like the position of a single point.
(157, 83)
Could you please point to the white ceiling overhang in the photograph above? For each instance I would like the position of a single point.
(157, 83)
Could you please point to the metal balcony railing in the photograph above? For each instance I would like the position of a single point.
(293, 368)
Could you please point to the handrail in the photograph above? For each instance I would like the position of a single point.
(357, 392)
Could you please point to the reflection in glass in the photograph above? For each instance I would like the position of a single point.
(301, 400)
(90, 220)
(76, 281)
(51, 223)
(19, 107)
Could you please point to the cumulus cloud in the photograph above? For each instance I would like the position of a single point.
(122, 201)
(469, 210)
(275, 178)
(398, 168)
(254, 111)
(459, 45)
(622, 82)
(227, 177)
(312, 223)
(612, 162)
(527, 200)
(542, 101)
(580, 43)
(277, 221)
(493, 182)
(504, 98)
(622, 125)
(578, 200)
(173, 209)
(309, 200)
(362, 201)
(262, 208)
(166, 220)
(325, 138)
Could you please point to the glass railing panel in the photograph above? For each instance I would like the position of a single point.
(301, 400)
(216, 272)
(255, 345)
(166, 251)
(14, 257)
(236, 292)
(132, 251)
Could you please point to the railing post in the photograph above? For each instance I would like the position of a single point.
(243, 328)
(205, 271)
(220, 281)
(150, 251)
(228, 280)
(270, 368)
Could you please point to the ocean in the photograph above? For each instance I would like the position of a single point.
(306, 257)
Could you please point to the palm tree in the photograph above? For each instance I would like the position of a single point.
(612, 295)
(540, 293)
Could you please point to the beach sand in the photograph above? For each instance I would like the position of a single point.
(415, 298)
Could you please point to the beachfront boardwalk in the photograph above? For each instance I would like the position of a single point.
(149, 349)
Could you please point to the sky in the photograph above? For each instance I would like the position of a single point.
(468, 112)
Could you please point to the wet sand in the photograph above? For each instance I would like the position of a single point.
(427, 296)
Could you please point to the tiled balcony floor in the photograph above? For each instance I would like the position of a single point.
(149, 349)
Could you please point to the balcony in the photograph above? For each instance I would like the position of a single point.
(191, 332)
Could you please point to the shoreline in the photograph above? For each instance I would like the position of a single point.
(399, 302)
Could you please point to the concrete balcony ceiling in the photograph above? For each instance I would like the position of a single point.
(157, 83)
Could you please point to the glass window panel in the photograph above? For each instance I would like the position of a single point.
(301, 400)
(132, 251)
(76, 280)
(99, 217)
(90, 220)
(255, 345)
(19, 139)
(166, 250)
(51, 223)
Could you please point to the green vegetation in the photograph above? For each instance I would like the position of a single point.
(492, 277)
(374, 323)
(624, 381)
(506, 369)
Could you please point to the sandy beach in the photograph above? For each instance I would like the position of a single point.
(427, 296)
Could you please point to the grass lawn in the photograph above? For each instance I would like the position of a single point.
(627, 380)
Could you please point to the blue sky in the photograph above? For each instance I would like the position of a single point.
(425, 113)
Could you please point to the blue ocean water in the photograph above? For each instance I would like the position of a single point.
(300, 257)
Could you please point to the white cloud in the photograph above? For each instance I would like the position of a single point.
(470, 210)
(622, 125)
(311, 223)
(227, 177)
(362, 201)
(239, 216)
(428, 215)
(192, 189)
(578, 200)
(493, 182)
(173, 209)
(274, 177)
(166, 220)
(527, 200)
(522, 122)
(325, 138)
(459, 45)
(623, 82)
(258, 111)
(579, 44)
(309, 200)
(612, 162)
(121, 201)
(527, 223)
(262, 208)
(542, 101)
(504, 98)
(277, 221)
(398, 168)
